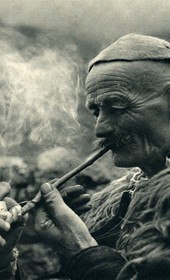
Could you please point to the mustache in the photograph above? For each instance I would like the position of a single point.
(113, 141)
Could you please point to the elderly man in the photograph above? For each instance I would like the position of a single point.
(128, 93)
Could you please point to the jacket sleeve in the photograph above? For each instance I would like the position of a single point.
(96, 263)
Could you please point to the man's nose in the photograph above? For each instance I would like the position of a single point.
(103, 127)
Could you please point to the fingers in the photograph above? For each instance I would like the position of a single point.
(75, 195)
(9, 233)
(10, 202)
(53, 181)
(2, 241)
(72, 191)
(80, 208)
(80, 204)
(46, 218)
(3, 214)
(15, 210)
(41, 221)
(4, 226)
(58, 209)
(53, 200)
(12, 211)
(84, 208)
(8, 218)
(76, 198)
(4, 189)
(82, 199)
(63, 226)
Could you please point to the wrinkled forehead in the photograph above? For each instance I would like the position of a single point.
(130, 76)
(132, 50)
(106, 75)
(134, 47)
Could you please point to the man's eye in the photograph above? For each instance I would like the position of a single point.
(118, 109)
(117, 105)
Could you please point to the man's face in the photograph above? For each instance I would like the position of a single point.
(131, 115)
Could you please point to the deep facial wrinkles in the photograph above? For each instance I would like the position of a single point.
(117, 82)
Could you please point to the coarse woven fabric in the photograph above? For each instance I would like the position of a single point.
(134, 47)
(105, 203)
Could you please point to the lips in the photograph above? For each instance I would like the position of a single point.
(121, 143)
(115, 142)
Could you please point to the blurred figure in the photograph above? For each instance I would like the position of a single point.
(17, 171)
(54, 163)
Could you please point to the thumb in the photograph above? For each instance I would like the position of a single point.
(52, 199)
(10, 202)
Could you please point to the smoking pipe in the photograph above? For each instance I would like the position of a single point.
(58, 182)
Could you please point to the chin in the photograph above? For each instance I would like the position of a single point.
(124, 161)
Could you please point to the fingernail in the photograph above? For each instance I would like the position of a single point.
(3, 242)
(7, 226)
(46, 188)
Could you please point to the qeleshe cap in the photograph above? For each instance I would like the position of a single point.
(134, 47)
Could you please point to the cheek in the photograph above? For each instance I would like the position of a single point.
(128, 123)
(139, 123)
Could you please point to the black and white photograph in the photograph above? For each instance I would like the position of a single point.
(84, 140)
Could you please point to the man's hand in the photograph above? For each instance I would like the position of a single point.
(76, 198)
(60, 226)
(9, 233)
